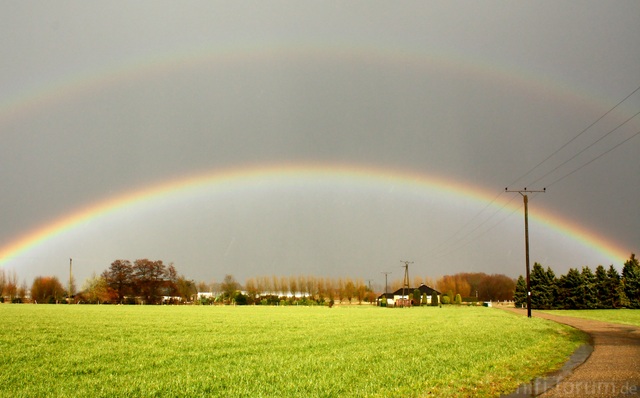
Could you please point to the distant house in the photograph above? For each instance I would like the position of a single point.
(404, 297)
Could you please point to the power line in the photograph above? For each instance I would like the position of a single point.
(454, 240)
(587, 147)
(479, 235)
(444, 243)
(456, 244)
(592, 160)
(574, 138)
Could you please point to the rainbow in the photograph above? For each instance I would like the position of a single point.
(315, 173)
(85, 83)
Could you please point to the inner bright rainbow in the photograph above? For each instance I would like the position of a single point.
(308, 172)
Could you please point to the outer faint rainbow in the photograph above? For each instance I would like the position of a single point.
(85, 83)
(308, 172)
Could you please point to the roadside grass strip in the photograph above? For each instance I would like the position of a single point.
(260, 351)
(623, 316)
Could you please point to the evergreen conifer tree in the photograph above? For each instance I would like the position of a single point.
(614, 288)
(520, 295)
(603, 295)
(543, 286)
(631, 281)
(588, 290)
(552, 282)
(570, 290)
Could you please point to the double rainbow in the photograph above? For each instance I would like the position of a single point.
(80, 85)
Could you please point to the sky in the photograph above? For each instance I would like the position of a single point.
(318, 138)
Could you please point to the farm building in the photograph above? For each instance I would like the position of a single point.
(402, 296)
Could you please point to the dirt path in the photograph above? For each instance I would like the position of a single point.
(612, 369)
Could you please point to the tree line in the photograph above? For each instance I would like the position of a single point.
(304, 289)
(477, 286)
(582, 289)
(142, 281)
(152, 282)
(9, 287)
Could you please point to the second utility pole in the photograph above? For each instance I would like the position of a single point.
(526, 241)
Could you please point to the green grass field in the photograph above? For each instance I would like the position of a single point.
(624, 316)
(350, 351)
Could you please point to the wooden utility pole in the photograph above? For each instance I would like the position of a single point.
(370, 280)
(385, 283)
(526, 240)
(70, 277)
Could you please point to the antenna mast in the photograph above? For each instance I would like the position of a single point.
(405, 281)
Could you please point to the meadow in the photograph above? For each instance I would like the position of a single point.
(624, 315)
(259, 351)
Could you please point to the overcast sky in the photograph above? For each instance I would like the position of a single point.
(101, 99)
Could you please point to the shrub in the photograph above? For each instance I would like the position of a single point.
(446, 299)
(416, 297)
(241, 299)
(458, 299)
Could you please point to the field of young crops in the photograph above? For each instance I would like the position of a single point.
(348, 351)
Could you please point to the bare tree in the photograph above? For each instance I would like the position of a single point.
(229, 287)
(251, 286)
(202, 286)
(11, 285)
(47, 289)
(293, 285)
(148, 277)
(119, 277)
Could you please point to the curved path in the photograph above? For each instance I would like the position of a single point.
(612, 369)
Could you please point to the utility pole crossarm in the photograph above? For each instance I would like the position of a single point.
(524, 191)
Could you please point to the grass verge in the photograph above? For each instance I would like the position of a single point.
(623, 316)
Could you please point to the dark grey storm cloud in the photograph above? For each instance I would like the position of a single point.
(99, 99)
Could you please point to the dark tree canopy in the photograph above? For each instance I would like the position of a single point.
(631, 281)
(583, 289)
(145, 280)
